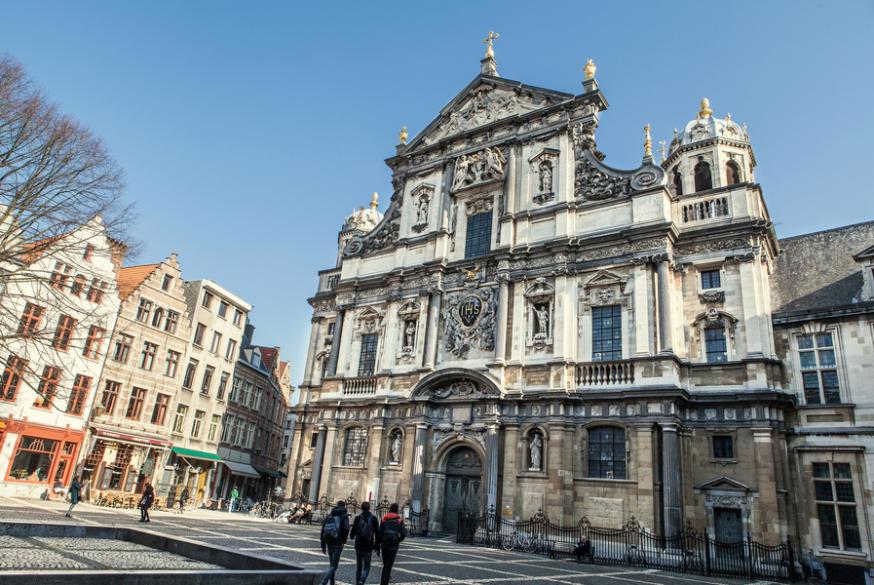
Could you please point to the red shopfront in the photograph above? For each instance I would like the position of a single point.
(42, 456)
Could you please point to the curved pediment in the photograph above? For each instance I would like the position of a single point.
(456, 383)
(595, 181)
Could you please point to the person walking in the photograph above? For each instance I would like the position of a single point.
(75, 492)
(335, 531)
(391, 532)
(183, 499)
(146, 502)
(235, 496)
(365, 531)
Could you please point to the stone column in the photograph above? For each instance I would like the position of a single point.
(328, 461)
(491, 472)
(642, 310)
(769, 529)
(335, 344)
(753, 312)
(431, 333)
(418, 488)
(508, 487)
(374, 461)
(503, 303)
(318, 456)
(311, 351)
(672, 480)
(665, 331)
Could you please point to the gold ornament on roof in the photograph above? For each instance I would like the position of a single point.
(647, 141)
(489, 40)
(404, 135)
(374, 200)
(705, 110)
(590, 69)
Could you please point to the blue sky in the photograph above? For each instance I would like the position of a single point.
(248, 130)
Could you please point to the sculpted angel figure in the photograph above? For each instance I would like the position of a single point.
(494, 162)
(462, 168)
(535, 447)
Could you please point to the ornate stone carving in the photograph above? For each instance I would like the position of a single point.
(593, 184)
(544, 166)
(712, 246)
(421, 197)
(484, 166)
(712, 296)
(480, 205)
(462, 388)
(604, 288)
(486, 105)
(540, 299)
(409, 314)
(469, 321)
(382, 236)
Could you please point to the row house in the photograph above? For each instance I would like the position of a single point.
(59, 304)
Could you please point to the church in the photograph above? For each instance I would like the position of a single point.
(530, 329)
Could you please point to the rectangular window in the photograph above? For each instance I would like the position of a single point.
(819, 374)
(238, 317)
(12, 375)
(48, 387)
(226, 428)
(58, 279)
(314, 440)
(478, 241)
(171, 322)
(64, 332)
(723, 447)
(95, 293)
(33, 459)
(367, 357)
(157, 317)
(135, 404)
(354, 446)
(231, 351)
(144, 310)
(78, 286)
(207, 300)
(94, 342)
(331, 326)
(30, 319)
(247, 392)
(110, 396)
(159, 413)
(606, 333)
(179, 420)
(207, 379)
(122, 348)
(88, 253)
(172, 363)
(165, 284)
(190, 371)
(213, 427)
(836, 505)
(710, 279)
(223, 309)
(606, 453)
(216, 342)
(79, 394)
(199, 332)
(147, 360)
(223, 385)
(197, 424)
(714, 342)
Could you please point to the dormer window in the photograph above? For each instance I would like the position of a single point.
(732, 173)
(703, 177)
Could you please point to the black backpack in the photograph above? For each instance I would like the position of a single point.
(331, 529)
(391, 534)
(364, 530)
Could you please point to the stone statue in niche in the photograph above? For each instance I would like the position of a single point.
(410, 335)
(395, 456)
(542, 312)
(535, 446)
(422, 211)
(545, 177)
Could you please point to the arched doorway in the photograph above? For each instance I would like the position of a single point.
(464, 482)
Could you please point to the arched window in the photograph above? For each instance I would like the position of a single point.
(607, 453)
(678, 182)
(355, 446)
(703, 178)
(732, 173)
(157, 317)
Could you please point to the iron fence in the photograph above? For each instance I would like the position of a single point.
(632, 545)
(416, 522)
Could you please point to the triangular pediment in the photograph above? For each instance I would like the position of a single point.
(724, 483)
(604, 278)
(865, 254)
(484, 101)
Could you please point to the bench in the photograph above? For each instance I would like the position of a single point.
(556, 548)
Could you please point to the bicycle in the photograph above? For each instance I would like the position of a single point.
(523, 541)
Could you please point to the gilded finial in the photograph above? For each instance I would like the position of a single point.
(404, 135)
(647, 141)
(705, 110)
(590, 69)
(664, 149)
(374, 200)
(489, 40)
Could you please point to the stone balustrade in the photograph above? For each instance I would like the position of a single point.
(365, 386)
(601, 374)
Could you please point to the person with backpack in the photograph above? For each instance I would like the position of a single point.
(335, 531)
(365, 531)
(391, 532)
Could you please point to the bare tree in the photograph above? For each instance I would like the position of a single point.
(58, 188)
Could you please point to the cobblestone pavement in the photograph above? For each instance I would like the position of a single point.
(421, 561)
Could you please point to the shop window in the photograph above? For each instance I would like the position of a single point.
(33, 459)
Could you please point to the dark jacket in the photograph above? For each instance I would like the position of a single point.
(358, 532)
(390, 518)
(344, 526)
(75, 491)
(148, 498)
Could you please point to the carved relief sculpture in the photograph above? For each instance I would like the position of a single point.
(593, 184)
(422, 196)
(477, 168)
(469, 321)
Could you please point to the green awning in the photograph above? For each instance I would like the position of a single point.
(196, 454)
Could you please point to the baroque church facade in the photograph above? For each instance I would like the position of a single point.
(529, 329)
